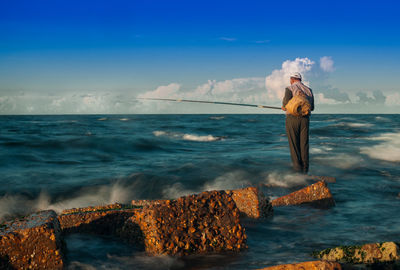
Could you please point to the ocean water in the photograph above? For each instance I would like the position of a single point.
(59, 162)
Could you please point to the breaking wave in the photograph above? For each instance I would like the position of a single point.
(230, 180)
(355, 125)
(188, 137)
(387, 150)
(217, 117)
(341, 161)
(276, 179)
(19, 205)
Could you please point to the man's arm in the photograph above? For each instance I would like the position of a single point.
(288, 96)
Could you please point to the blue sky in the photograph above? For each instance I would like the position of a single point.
(97, 56)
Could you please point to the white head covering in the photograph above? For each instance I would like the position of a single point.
(295, 75)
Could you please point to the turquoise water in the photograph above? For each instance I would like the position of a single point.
(60, 162)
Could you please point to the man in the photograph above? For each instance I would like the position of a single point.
(297, 127)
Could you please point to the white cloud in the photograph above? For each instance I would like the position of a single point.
(164, 91)
(326, 64)
(321, 99)
(279, 78)
(393, 99)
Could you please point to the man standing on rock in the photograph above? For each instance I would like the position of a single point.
(298, 103)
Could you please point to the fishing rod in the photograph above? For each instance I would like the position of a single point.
(213, 102)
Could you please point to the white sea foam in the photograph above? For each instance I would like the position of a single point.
(320, 150)
(276, 179)
(217, 117)
(12, 205)
(341, 161)
(383, 119)
(102, 119)
(187, 137)
(388, 149)
(355, 125)
(230, 180)
(124, 119)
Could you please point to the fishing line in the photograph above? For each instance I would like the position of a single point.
(213, 102)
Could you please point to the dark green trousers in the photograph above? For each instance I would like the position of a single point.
(297, 129)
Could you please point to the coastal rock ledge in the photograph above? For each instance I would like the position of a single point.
(32, 242)
(316, 195)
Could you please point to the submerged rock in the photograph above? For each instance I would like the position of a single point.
(107, 219)
(251, 202)
(32, 242)
(317, 195)
(313, 265)
(196, 224)
(366, 254)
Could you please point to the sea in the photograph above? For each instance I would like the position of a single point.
(66, 161)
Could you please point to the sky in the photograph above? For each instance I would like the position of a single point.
(97, 57)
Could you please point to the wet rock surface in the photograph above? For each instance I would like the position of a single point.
(365, 254)
(32, 242)
(196, 224)
(251, 202)
(106, 220)
(317, 195)
(313, 265)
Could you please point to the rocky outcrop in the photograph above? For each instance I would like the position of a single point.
(251, 202)
(317, 195)
(32, 242)
(313, 265)
(107, 219)
(196, 224)
(365, 254)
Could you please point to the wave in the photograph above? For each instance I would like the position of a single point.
(19, 205)
(217, 117)
(188, 137)
(355, 125)
(276, 179)
(124, 119)
(102, 119)
(387, 150)
(230, 180)
(341, 161)
(320, 150)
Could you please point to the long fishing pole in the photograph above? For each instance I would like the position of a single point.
(213, 102)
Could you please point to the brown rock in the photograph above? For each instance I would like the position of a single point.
(251, 202)
(196, 224)
(107, 219)
(317, 195)
(314, 265)
(32, 242)
(368, 253)
(146, 202)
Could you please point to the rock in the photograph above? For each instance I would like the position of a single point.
(146, 202)
(196, 224)
(314, 265)
(317, 195)
(107, 219)
(251, 202)
(366, 254)
(32, 242)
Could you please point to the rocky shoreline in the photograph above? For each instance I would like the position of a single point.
(205, 223)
